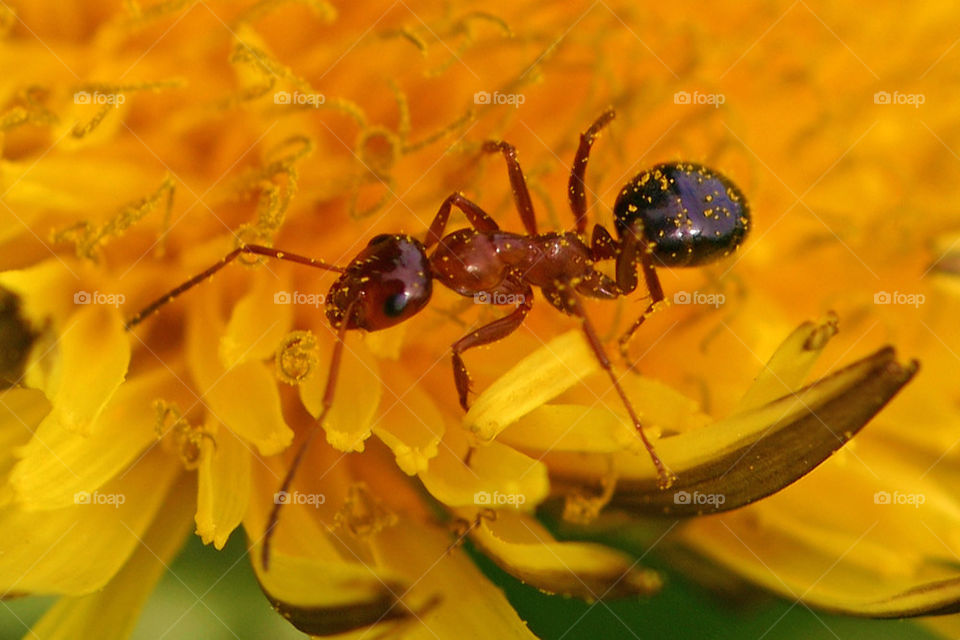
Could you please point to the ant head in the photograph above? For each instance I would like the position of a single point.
(389, 282)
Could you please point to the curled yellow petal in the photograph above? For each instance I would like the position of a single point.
(244, 398)
(497, 476)
(257, 324)
(535, 380)
(223, 487)
(58, 463)
(348, 423)
(789, 365)
(526, 550)
(94, 352)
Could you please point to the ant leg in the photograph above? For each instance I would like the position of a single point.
(665, 477)
(328, 394)
(496, 330)
(518, 184)
(576, 189)
(656, 297)
(602, 244)
(255, 249)
(479, 218)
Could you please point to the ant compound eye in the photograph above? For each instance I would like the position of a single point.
(395, 305)
(383, 237)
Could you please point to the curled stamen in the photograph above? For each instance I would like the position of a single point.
(296, 357)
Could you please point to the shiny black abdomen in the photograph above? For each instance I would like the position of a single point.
(688, 214)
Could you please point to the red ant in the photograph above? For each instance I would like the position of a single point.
(676, 214)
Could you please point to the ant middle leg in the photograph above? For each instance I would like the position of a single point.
(576, 188)
(479, 218)
(496, 330)
(518, 184)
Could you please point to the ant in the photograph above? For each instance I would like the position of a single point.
(674, 215)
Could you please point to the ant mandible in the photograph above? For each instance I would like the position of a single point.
(674, 214)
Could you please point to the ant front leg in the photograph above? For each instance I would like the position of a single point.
(328, 395)
(518, 184)
(496, 330)
(479, 218)
(576, 188)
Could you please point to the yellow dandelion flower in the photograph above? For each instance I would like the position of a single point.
(148, 148)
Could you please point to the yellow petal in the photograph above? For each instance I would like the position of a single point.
(245, 398)
(465, 604)
(498, 476)
(788, 366)
(789, 566)
(411, 426)
(257, 324)
(535, 380)
(223, 488)
(526, 550)
(76, 550)
(94, 352)
(112, 613)
(326, 598)
(348, 423)
(750, 455)
(58, 463)
(21, 410)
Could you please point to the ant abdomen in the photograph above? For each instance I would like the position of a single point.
(688, 214)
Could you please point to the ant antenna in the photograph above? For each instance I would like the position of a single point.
(255, 249)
